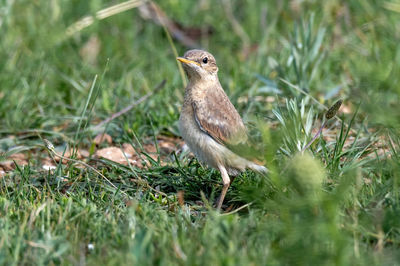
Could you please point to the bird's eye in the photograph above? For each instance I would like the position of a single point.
(205, 60)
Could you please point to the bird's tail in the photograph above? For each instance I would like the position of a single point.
(258, 168)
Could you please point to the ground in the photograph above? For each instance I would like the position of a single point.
(75, 190)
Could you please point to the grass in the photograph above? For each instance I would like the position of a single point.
(338, 204)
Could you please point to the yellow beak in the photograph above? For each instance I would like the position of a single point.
(186, 61)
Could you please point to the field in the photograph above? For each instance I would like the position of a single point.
(66, 66)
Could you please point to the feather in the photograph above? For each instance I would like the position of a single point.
(221, 121)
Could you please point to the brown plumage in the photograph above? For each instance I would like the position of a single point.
(209, 123)
(222, 121)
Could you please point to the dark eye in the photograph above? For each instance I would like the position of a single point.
(205, 60)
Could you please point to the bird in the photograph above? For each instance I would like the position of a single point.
(209, 123)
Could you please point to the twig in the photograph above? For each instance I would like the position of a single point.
(129, 107)
(315, 137)
(328, 115)
(238, 209)
(102, 14)
(152, 11)
(315, 100)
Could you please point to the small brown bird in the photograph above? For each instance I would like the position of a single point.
(209, 123)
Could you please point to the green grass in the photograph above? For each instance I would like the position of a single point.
(337, 205)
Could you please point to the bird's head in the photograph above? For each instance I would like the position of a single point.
(199, 64)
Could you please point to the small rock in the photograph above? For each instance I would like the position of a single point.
(48, 167)
(101, 138)
(128, 149)
(115, 154)
(48, 164)
(84, 153)
(68, 154)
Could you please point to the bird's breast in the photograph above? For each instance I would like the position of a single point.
(201, 144)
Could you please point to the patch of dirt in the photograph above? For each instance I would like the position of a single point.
(166, 146)
(19, 158)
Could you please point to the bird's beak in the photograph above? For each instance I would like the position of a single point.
(186, 61)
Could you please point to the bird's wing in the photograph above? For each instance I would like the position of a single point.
(216, 116)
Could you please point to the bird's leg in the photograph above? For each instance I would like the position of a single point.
(226, 181)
